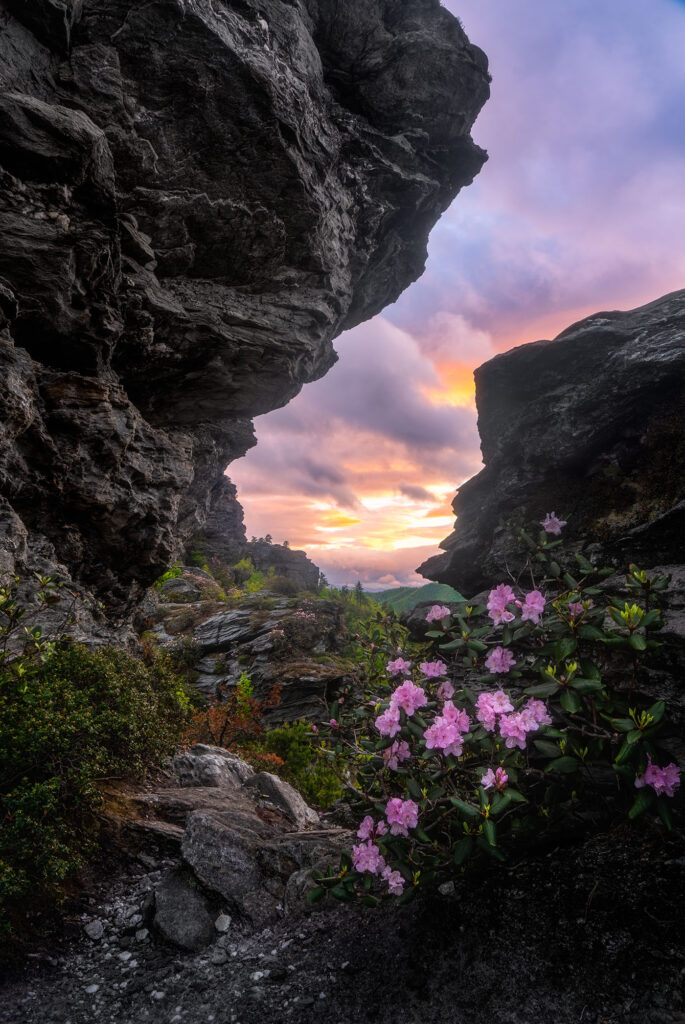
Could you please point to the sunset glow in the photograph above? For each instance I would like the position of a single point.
(579, 209)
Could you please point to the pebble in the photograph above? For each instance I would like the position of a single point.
(142, 934)
(222, 923)
(92, 989)
(125, 957)
(94, 930)
(218, 957)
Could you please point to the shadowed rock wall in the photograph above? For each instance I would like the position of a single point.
(196, 197)
(590, 425)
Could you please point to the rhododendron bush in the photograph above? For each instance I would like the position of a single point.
(536, 719)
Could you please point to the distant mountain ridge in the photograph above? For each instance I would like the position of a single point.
(403, 599)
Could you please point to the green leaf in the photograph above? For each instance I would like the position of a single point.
(434, 633)
(564, 765)
(341, 893)
(638, 642)
(586, 685)
(370, 901)
(493, 851)
(664, 812)
(657, 711)
(625, 752)
(555, 569)
(316, 895)
(490, 832)
(500, 803)
(422, 836)
(564, 648)
(547, 749)
(516, 797)
(542, 690)
(414, 789)
(587, 632)
(453, 645)
(623, 724)
(643, 800)
(570, 582)
(462, 850)
(467, 809)
(570, 702)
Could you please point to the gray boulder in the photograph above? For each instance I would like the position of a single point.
(181, 912)
(211, 766)
(282, 795)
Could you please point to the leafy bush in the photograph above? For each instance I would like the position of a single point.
(174, 573)
(69, 716)
(445, 764)
(303, 766)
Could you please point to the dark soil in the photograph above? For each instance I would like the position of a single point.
(585, 935)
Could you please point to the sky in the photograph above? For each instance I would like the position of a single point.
(580, 208)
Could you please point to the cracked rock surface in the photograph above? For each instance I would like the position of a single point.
(195, 199)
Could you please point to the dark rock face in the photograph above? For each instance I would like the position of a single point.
(294, 645)
(285, 562)
(589, 425)
(196, 198)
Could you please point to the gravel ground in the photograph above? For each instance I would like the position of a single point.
(587, 935)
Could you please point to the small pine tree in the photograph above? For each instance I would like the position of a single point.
(359, 592)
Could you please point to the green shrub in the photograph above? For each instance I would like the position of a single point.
(65, 723)
(171, 574)
(303, 766)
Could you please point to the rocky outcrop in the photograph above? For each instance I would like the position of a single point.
(291, 648)
(590, 425)
(196, 198)
(286, 563)
(231, 841)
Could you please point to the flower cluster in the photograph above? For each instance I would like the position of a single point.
(437, 613)
(398, 667)
(408, 698)
(447, 731)
(662, 780)
(497, 778)
(452, 769)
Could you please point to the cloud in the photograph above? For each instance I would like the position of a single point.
(578, 209)
(415, 492)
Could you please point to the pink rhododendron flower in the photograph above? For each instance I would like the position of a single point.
(367, 857)
(437, 613)
(501, 702)
(315, 728)
(444, 736)
(513, 730)
(365, 830)
(369, 828)
(498, 599)
(490, 704)
(662, 780)
(402, 815)
(445, 690)
(333, 723)
(577, 608)
(536, 711)
(409, 697)
(396, 754)
(394, 880)
(497, 778)
(552, 524)
(455, 716)
(397, 666)
(388, 724)
(500, 660)
(533, 607)
(433, 669)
